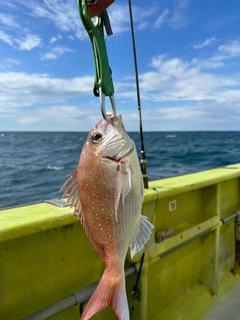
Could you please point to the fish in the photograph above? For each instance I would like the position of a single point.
(106, 191)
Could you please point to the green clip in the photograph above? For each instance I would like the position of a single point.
(103, 79)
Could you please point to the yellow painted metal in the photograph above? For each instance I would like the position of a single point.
(45, 255)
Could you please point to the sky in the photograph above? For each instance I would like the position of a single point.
(188, 54)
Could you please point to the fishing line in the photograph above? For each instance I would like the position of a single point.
(155, 206)
(81, 309)
(143, 156)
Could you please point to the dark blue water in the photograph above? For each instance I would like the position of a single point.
(34, 165)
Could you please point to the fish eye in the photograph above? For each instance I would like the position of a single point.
(96, 137)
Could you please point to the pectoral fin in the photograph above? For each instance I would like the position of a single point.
(123, 185)
(142, 236)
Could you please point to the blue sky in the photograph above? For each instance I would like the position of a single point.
(188, 61)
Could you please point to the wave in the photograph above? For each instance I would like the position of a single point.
(55, 168)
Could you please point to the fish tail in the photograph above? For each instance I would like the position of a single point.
(108, 293)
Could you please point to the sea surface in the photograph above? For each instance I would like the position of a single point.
(34, 165)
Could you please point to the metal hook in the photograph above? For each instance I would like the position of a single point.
(102, 105)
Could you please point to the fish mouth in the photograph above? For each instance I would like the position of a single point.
(117, 144)
(113, 159)
(114, 152)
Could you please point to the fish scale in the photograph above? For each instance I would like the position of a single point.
(106, 191)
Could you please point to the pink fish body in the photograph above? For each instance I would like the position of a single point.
(106, 191)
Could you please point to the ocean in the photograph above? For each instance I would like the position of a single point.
(34, 165)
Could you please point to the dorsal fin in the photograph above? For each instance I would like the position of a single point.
(72, 193)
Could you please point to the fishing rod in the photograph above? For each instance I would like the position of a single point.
(143, 156)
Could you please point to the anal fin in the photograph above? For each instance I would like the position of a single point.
(142, 236)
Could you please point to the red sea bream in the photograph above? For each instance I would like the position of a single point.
(106, 191)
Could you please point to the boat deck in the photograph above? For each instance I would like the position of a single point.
(226, 306)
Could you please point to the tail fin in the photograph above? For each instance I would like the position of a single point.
(108, 293)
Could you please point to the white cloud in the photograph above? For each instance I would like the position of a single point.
(9, 64)
(232, 48)
(14, 34)
(174, 79)
(8, 21)
(161, 19)
(55, 52)
(28, 119)
(52, 40)
(197, 116)
(29, 42)
(142, 13)
(210, 63)
(64, 15)
(179, 18)
(60, 117)
(49, 56)
(119, 17)
(6, 38)
(226, 52)
(205, 43)
(199, 99)
(18, 89)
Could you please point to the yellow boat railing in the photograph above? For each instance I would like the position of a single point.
(191, 257)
